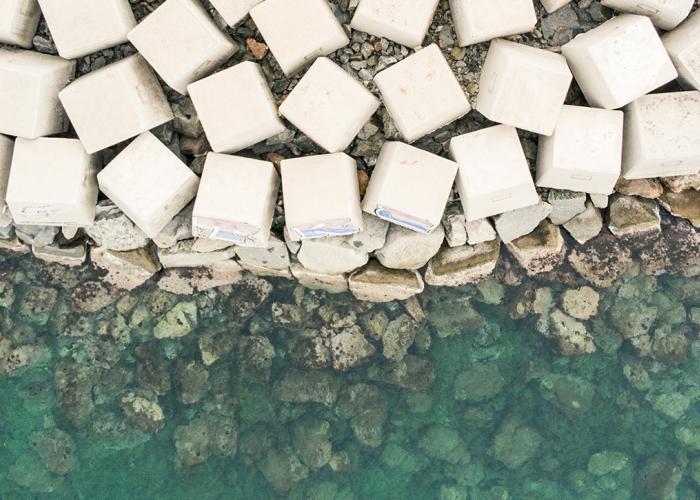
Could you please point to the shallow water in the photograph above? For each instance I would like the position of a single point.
(505, 417)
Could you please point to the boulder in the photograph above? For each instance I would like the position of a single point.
(517, 223)
(186, 281)
(461, 265)
(270, 261)
(72, 255)
(56, 449)
(515, 442)
(178, 229)
(565, 205)
(205, 436)
(255, 354)
(586, 225)
(205, 245)
(333, 255)
(39, 236)
(311, 437)
(480, 231)
(113, 230)
(376, 283)
(367, 409)
(180, 254)
(91, 296)
(685, 204)
(675, 250)
(540, 251)
(572, 336)
(599, 200)
(455, 224)
(350, 348)
(682, 183)
(644, 188)
(143, 410)
(445, 444)
(297, 386)
(177, 322)
(331, 283)
(373, 235)
(629, 216)
(581, 303)
(479, 383)
(601, 261)
(406, 249)
(398, 337)
(126, 270)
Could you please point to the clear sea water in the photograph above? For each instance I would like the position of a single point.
(506, 416)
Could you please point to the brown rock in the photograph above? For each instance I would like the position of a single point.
(540, 251)
(126, 270)
(258, 49)
(681, 183)
(644, 188)
(376, 283)
(685, 204)
(461, 265)
(601, 261)
(629, 216)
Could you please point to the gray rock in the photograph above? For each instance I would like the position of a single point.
(376, 283)
(312, 440)
(373, 236)
(275, 256)
(113, 230)
(39, 236)
(455, 224)
(332, 283)
(350, 348)
(334, 255)
(126, 270)
(182, 255)
(480, 231)
(186, 119)
(586, 225)
(178, 229)
(517, 223)
(565, 205)
(599, 200)
(399, 336)
(406, 249)
(68, 255)
(177, 322)
(462, 265)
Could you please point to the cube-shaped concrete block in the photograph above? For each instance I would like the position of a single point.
(6, 148)
(523, 86)
(329, 105)
(236, 200)
(422, 94)
(683, 46)
(553, 5)
(148, 183)
(182, 43)
(619, 61)
(29, 87)
(493, 175)
(482, 20)
(19, 21)
(52, 183)
(662, 136)
(79, 28)
(585, 152)
(321, 196)
(410, 187)
(298, 31)
(236, 108)
(233, 11)
(115, 103)
(403, 22)
(665, 14)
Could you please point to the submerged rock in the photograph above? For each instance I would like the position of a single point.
(298, 386)
(581, 303)
(143, 410)
(515, 443)
(601, 261)
(205, 436)
(56, 449)
(479, 382)
(255, 355)
(399, 336)
(659, 478)
(192, 381)
(177, 322)
(607, 462)
(367, 409)
(444, 443)
(412, 373)
(572, 336)
(312, 441)
(350, 348)
(28, 472)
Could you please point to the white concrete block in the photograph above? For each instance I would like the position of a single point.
(683, 46)
(321, 196)
(422, 94)
(115, 103)
(298, 31)
(585, 152)
(236, 200)
(665, 14)
(148, 183)
(553, 5)
(19, 21)
(29, 87)
(619, 61)
(523, 86)
(403, 22)
(182, 43)
(233, 11)
(493, 175)
(478, 21)
(80, 27)
(236, 108)
(329, 105)
(6, 147)
(410, 187)
(52, 183)
(662, 136)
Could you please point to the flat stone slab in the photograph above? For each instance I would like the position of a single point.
(462, 265)
(376, 283)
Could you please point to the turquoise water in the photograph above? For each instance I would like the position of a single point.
(482, 406)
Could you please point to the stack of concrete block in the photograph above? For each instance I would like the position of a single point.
(52, 182)
(19, 22)
(406, 23)
(236, 200)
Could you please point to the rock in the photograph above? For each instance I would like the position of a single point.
(126, 270)
(143, 410)
(74, 388)
(113, 230)
(628, 216)
(540, 251)
(282, 468)
(312, 441)
(462, 265)
(406, 249)
(373, 236)
(152, 372)
(91, 296)
(601, 261)
(478, 383)
(255, 355)
(56, 449)
(349, 349)
(191, 381)
(659, 478)
(180, 254)
(367, 409)
(37, 304)
(675, 250)
(580, 303)
(399, 336)
(28, 471)
(480, 231)
(632, 317)
(186, 120)
(607, 462)
(453, 316)
(333, 255)
(644, 188)
(275, 256)
(67, 255)
(517, 223)
(681, 183)
(186, 281)
(586, 225)
(205, 436)
(298, 386)
(376, 283)
(14, 245)
(572, 336)
(443, 443)
(516, 443)
(205, 245)
(685, 204)
(258, 49)
(565, 205)
(599, 200)
(331, 283)
(412, 373)
(216, 343)
(670, 346)
(39, 236)
(178, 229)
(177, 322)
(455, 224)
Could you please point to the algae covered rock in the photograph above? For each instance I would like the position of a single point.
(367, 409)
(143, 410)
(297, 386)
(255, 354)
(56, 449)
(607, 462)
(350, 348)
(479, 382)
(515, 443)
(205, 436)
(312, 441)
(376, 283)
(191, 381)
(398, 337)
(177, 322)
(572, 336)
(443, 443)
(581, 303)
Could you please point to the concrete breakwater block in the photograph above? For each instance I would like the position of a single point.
(406, 23)
(19, 21)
